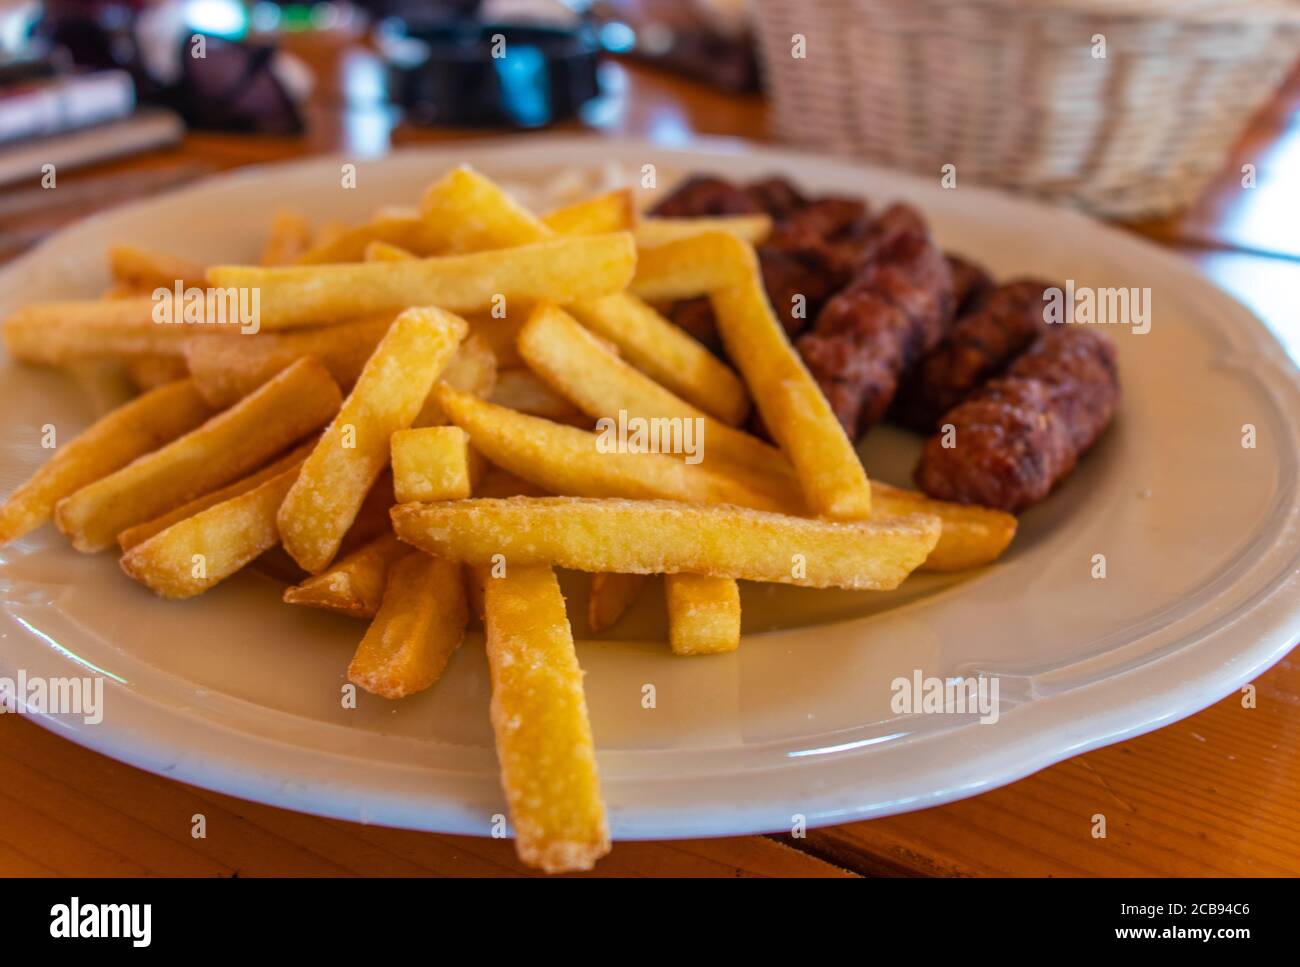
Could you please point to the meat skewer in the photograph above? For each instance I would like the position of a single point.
(971, 284)
(1020, 435)
(980, 345)
(895, 309)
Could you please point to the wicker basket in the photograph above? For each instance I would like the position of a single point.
(1010, 92)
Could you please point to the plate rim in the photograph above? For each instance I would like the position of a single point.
(1272, 623)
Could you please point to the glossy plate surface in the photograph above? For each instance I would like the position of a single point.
(238, 692)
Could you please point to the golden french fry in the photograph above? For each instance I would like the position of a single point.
(565, 460)
(405, 230)
(667, 537)
(142, 532)
(55, 333)
(692, 266)
(122, 290)
(226, 370)
(486, 217)
(384, 252)
(107, 445)
(559, 270)
(354, 449)
(614, 211)
(328, 232)
(653, 232)
(476, 215)
(703, 614)
(227, 446)
(972, 536)
(151, 370)
(793, 407)
(199, 552)
(666, 353)
(289, 236)
(502, 483)
(473, 370)
(434, 463)
(500, 334)
(146, 270)
(372, 518)
(420, 623)
(519, 389)
(539, 716)
(578, 366)
(611, 595)
(353, 585)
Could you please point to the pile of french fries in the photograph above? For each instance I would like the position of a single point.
(411, 428)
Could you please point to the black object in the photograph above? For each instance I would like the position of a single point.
(492, 75)
(233, 88)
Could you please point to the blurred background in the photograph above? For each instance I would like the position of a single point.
(1176, 116)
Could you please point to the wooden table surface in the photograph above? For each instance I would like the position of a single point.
(1213, 794)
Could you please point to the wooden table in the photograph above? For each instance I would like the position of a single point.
(1213, 794)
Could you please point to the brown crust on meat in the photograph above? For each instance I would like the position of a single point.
(1019, 436)
(979, 346)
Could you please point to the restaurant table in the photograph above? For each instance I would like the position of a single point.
(1215, 793)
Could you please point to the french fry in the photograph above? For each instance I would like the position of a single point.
(559, 270)
(354, 449)
(614, 211)
(142, 532)
(420, 623)
(501, 483)
(500, 334)
(404, 229)
(666, 353)
(151, 370)
(56, 333)
(352, 585)
(692, 266)
(486, 217)
(226, 370)
(224, 448)
(565, 460)
(583, 370)
(972, 536)
(146, 270)
(384, 252)
(520, 390)
(653, 232)
(667, 537)
(107, 445)
(539, 716)
(703, 614)
(288, 238)
(328, 232)
(434, 463)
(476, 215)
(611, 595)
(793, 407)
(199, 552)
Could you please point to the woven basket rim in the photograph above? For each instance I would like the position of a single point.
(1219, 12)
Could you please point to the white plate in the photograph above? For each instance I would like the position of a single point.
(236, 692)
